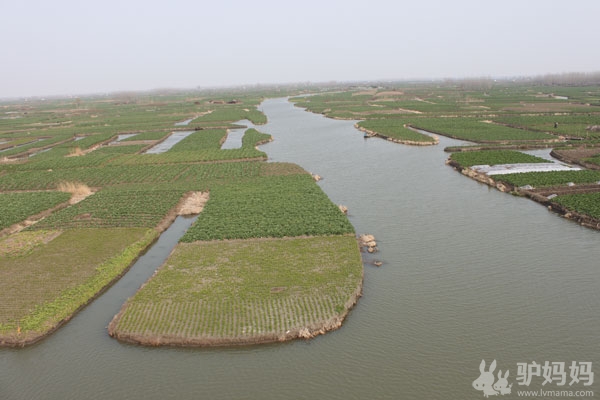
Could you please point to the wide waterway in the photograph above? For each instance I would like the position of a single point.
(469, 273)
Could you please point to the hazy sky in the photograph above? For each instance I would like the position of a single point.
(75, 46)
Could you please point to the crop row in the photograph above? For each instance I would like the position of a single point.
(192, 175)
(494, 157)
(553, 178)
(228, 114)
(475, 130)
(245, 289)
(568, 125)
(585, 203)
(275, 206)
(201, 140)
(43, 284)
(16, 207)
(115, 207)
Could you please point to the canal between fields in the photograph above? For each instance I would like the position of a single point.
(469, 273)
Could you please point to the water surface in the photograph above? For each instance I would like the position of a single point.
(169, 142)
(469, 273)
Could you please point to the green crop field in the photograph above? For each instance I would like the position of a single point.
(115, 207)
(245, 291)
(553, 178)
(45, 276)
(260, 219)
(494, 157)
(16, 207)
(268, 207)
(395, 129)
(585, 203)
(476, 130)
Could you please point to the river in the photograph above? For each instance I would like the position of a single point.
(469, 273)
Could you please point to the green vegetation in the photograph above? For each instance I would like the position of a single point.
(44, 143)
(394, 129)
(43, 284)
(494, 157)
(16, 207)
(268, 207)
(571, 125)
(584, 203)
(115, 207)
(51, 269)
(248, 291)
(474, 129)
(553, 178)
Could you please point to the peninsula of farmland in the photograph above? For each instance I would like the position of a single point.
(269, 258)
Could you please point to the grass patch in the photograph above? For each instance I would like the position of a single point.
(50, 281)
(245, 291)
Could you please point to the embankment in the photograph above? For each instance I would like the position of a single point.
(537, 195)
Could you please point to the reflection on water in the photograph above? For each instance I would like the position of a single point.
(469, 274)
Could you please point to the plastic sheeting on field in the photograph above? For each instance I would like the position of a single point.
(518, 168)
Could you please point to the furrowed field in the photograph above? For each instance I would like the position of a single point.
(494, 157)
(245, 291)
(78, 244)
(287, 257)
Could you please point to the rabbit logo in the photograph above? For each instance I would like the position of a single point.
(501, 384)
(485, 382)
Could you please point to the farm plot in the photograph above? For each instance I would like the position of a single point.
(494, 157)
(585, 203)
(554, 178)
(91, 176)
(274, 206)
(395, 129)
(476, 130)
(203, 146)
(45, 278)
(16, 207)
(116, 207)
(245, 291)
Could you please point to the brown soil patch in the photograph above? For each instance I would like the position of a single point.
(135, 142)
(79, 191)
(543, 107)
(389, 93)
(198, 199)
(23, 242)
(365, 93)
(193, 203)
(577, 156)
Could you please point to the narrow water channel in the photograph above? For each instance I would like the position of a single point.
(169, 142)
(235, 136)
(469, 273)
